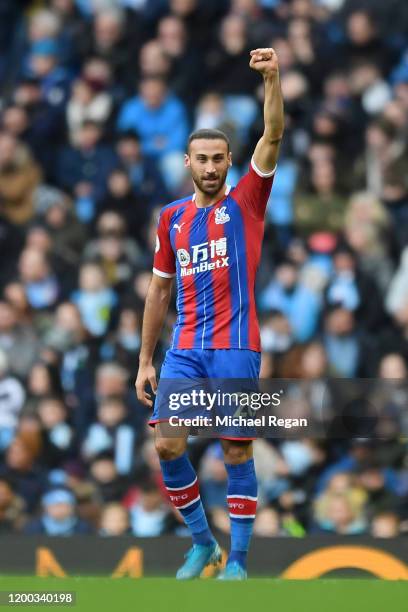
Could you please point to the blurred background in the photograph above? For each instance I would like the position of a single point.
(97, 100)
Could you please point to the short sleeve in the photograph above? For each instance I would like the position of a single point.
(253, 191)
(164, 262)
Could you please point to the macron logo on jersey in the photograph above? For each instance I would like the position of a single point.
(208, 256)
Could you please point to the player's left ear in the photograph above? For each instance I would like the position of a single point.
(230, 159)
(187, 160)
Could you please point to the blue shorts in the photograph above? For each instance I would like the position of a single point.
(209, 364)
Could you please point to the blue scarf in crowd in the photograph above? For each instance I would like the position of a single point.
(59, 528)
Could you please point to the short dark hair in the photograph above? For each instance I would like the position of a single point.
(206, 134)
(128, 135)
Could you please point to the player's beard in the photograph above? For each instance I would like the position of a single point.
(210, 188)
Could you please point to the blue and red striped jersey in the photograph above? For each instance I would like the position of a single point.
(214, 253)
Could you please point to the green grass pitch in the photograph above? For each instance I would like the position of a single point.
(255, 595)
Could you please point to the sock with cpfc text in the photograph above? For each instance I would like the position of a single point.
(182, 486)
(242, 499)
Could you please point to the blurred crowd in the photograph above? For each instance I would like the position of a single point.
(97, 100)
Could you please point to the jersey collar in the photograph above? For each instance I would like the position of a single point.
(227, 190)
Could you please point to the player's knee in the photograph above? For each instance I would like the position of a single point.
(237, 453)
(168, 449)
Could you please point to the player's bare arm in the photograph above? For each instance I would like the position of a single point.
(156, 307)
(265, 61)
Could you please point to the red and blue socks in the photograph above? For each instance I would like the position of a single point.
(182, 486)
(242, 498)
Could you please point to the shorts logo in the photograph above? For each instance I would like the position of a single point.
(183, 257)
(221, 216)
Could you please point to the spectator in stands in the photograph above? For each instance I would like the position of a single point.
(114, 521)
(367, 83)
(340, 509)
(287, 294)
(19, 175)
(385, 525)
(55, 211)
(40, 283)
(116, 253)
(110, 486)
(12, 397)
(82, 169)
(27, 478)
(124, 343)
(121, 201)
(12, 509)
(72, 29)
(15, 295)
(356, 289)
(227, 62)
(95, 299)
(380, 488)
(58, 516)
(184, 61)
(148, 186)
(44, 65)
(149, 514)
(41, 381)
(385, 153)
(397, 296)
(89, 102)
(43, 25)
(45, 123)
(276, 333)
(111, 379)
(109, 40)
(323, 208)
(153, 61)
(267, 523)
(339, 516)
(341, 342)
(366, 211)
(112, 432)
(18, 340)
(212, 112)
(58, 435)
(160, 119)
(364, 41)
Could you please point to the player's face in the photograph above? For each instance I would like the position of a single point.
(209, 161)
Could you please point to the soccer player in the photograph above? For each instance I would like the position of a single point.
(211, 242)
